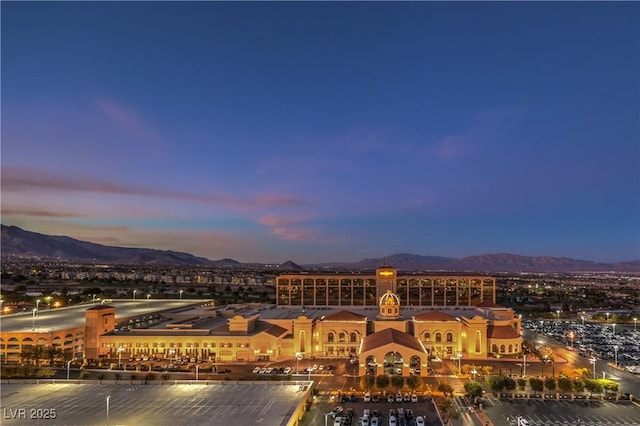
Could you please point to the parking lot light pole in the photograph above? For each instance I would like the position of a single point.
(614, 329)
(635, 324)
(524, 365)
(197, 366)
(148, 297)
(615, 350)
(33, 320)
(592, 360)
(108, 398)
(134, 294)
(325, 418)
(68, 366)
(120, 350)
(474, 372)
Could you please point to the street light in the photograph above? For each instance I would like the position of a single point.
(558, 312)
(325, 418)
(108, 398)
(607, 316)
(120, 350)
(197, 367)
(571, 337)
(181, 294)
(615, 350)
(635, 324)
(134, 294)
(474, 372)
(524, 365)
(148, 297)
(458, 357)
(68, 366)
(299, 357)
(37, 307)
(592, 360)
(33, 319)
(582, 318)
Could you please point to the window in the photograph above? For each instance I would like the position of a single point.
(353, 338)
(342, 337)
(501, 349)
(427, 336)
(449, 337)
(494, 348)
(330, 337)
(438, 337)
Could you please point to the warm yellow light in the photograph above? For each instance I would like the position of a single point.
(386, 273)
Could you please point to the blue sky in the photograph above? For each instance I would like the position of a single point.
(325, 131)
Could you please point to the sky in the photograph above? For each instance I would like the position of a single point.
(325, 131)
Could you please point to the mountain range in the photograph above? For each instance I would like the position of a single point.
(17, 242)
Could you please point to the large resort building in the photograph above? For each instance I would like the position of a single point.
(414, 320)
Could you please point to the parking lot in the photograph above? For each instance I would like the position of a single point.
(424, 407)
(222, 403)
(537, 412)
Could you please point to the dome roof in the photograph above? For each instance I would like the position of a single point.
(389, 298)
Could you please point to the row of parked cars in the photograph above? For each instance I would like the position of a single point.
(398, 397)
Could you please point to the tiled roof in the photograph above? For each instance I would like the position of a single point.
(501, 332)
(391, 336)
(488, 304)
(276, 330)
(433, 316)
(344, 316)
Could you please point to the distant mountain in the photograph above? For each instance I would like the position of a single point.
(489, 263)
(19, 242)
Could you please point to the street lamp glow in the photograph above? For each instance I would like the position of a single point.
(148, 297)
(635, 324)
(120, 350)
(614, 329)
(474, 372)
(458, 357)
(592, 360)
(607, 316)
(134, 294)
(33, 319)
(180, 294)
(558, 312)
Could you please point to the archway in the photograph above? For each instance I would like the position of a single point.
(393, 363)
(414, 365)
(372, 365)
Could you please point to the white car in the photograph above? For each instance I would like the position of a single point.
(414, 398)
(366, 413)
(287, 370)
(398, 397)
(367, 397)
(419, 421)
(256, 370)
(393, 422)
(337, 411)
(365, 421)
(337, 421)
(374, 421)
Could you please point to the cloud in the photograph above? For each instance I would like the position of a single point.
(38, 212)
(288, 228)
(22, 179)
(129, 122)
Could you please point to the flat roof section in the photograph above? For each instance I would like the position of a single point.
(74, 316)
(221, 403)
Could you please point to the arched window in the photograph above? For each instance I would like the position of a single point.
(342, 337)
(330, 337)
(494, 348)
(501, 349)
(427, 337)
(510, 348)
(449, 337)
(353, 338)
(303, 338)
(438, 337)
(478, 341)
(515, 347)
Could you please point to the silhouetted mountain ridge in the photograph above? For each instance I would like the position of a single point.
(19, 242)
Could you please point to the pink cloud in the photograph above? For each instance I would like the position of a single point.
(21, 179)
(128, 122)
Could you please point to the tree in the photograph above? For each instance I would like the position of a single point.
(565, 384)
(496, 383)
(446, 389)
(509, 384)
(367, 381)
(593, 386)
(537, 385)
(522, 383)
(487, 369)
(578, 386)
(473, 389)
(397, 382)
(608, 385)
(414, 382)
(382, 381)
(550, 384)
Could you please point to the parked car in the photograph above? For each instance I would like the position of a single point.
(393, 422)
(287, 370)
(367, 397)
(390, 398)
(414, 398)
(419, 421)
(337, 411)
(398, 397)
(256, 370)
